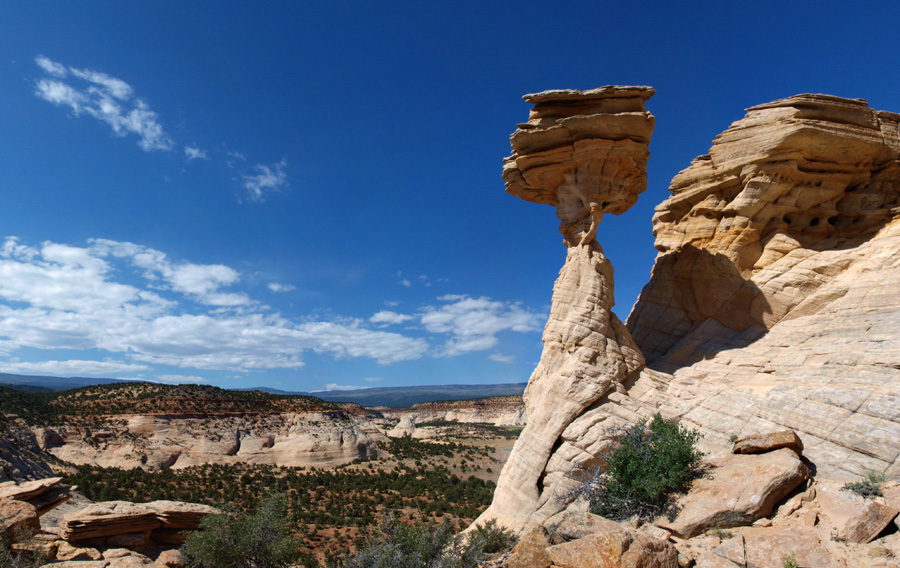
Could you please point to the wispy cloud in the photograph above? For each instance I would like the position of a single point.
(336, 387)
(278, 287)
(194, 153)
(372, 379)
(389, 317)
(501, 358)
(75, 367)
(108, 99)
(265, 179)
(113, 102)
(180, 379)
(473, 323)
(59, 296)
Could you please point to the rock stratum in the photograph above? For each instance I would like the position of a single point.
(153, 426)
(772, 303)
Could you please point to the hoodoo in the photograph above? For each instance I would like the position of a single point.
(585, 153)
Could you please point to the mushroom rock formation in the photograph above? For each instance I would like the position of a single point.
(584, 152)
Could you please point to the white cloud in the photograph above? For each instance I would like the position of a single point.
(51, 67)
(372, 379)
(389, 317)
(180, 379)
(266, 180)
(336, 387)
(501, 358)
(193, 153)
(202, 281)
(473, 323)
(105, 98)
(405, 282)
(57, 296)
(277, 287)
(70, 368)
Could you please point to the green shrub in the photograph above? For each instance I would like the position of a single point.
(650, 463)
(789, 561)
(427, 545)
(869, 488)
(260, 540)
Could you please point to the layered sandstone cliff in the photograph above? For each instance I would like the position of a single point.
(773, 302)
(495, 410)
(585, 153)
(317, 439)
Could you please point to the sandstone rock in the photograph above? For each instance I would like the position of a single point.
(573, 527)
(584, 153)
(732, 549)
(17, 516)
(709, 559)
(179, 515)
(170, 559)
(737, 490)
(868, 521)
(29, 489)
(772, 302)
(65, 551)
(111, 553)
(79, 564)
(319, 439)
(107, 519)
(614, 549)
(131, 525)
(758, 443)
(766, 548)
(891, 492)
(530, 552)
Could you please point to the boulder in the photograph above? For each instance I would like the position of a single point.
(868, 521)
(65, 551)
(170, 559)
(614, 549)
(709, 559)
(17, 516)
(180, 515)
(767, 547)
(530, 552)
(737, 490)
(27, 490)
(107, 519)
(758, 443)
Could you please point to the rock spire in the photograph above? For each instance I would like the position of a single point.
(585, 153)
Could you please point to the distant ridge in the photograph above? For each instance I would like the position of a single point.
(395, 397)
(39, 382)
(404, 397)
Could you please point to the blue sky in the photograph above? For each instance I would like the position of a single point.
(308, 195)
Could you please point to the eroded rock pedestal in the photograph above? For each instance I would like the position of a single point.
(585, 153)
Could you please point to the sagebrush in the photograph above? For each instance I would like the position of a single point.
(428, 545)
(259, 540)
(651, 461)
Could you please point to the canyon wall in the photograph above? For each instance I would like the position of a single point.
(314, 439)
